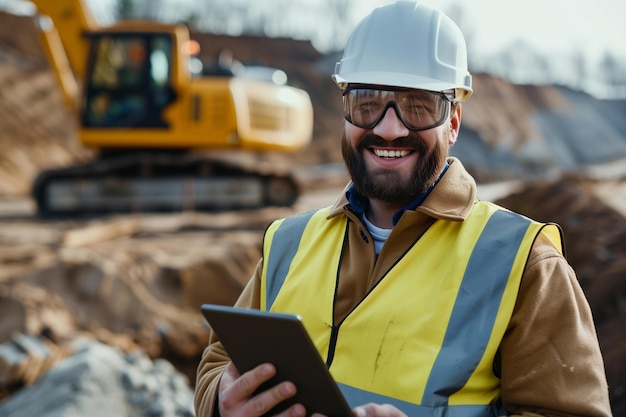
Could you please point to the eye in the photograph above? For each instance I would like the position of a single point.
(367, 104)
(415, 107)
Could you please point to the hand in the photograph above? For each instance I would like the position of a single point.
(235, 397)
(378, 410)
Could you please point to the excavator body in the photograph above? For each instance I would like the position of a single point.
(157, 126)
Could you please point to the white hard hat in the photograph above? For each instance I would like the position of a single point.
(406, 44)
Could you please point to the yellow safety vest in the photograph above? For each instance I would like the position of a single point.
(425, 338)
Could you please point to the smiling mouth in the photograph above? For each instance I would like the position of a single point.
(387, 153)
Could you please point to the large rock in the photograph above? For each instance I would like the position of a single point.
(99, 381)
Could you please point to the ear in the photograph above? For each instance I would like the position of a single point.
(455, 124)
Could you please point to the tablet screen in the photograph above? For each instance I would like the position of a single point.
(252, 337)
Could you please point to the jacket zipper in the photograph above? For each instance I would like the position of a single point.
(334, 328)
(332, 344)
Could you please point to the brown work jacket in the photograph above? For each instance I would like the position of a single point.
(550, 360)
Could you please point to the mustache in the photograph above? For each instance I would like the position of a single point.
(412, 141)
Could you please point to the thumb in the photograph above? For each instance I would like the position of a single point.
(360, 412)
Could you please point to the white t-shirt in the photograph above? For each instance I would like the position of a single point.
(379, 234)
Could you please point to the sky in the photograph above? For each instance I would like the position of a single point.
(552, 26)
(555, 28)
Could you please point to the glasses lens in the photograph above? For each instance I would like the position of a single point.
(418, 109)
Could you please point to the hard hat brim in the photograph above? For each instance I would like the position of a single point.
(463, 92)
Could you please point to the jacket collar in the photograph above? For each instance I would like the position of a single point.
(451, 199)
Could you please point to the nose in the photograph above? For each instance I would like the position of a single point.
(390, 127)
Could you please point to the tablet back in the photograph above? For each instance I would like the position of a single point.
(252, 337)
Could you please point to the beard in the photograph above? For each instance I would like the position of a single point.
(388, 185)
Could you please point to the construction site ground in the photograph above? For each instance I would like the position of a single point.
(136, 281)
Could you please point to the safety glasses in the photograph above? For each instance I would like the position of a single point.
(364, 107)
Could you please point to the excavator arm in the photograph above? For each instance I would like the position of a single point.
(62, 28)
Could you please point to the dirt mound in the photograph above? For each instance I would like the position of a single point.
(595, 241)
(37, 130)
(130, 281)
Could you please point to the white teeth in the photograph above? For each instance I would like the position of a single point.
(385, 153)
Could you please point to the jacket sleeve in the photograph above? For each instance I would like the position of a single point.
(214, 358)
(551, 364)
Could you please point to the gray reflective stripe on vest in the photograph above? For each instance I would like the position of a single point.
(483, 285)
(284, 247)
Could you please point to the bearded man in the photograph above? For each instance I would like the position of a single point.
(421, 299)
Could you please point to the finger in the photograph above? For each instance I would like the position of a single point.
(229, 375)
(265, 401)
(236, 393)
(235, 388)
(296, 410)
(360, 411)
(377, 410)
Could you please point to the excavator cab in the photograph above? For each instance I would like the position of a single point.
(128, 81)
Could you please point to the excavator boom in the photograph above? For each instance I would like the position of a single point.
(63, 24)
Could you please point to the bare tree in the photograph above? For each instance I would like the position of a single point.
(327, 23)
(612, 71)
(579, 68)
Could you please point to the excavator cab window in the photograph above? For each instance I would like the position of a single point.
(128, 81)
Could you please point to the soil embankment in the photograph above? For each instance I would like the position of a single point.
(135, 282)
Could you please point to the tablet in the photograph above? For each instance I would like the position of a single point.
(252, 337)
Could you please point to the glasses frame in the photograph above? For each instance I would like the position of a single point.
(448, 95)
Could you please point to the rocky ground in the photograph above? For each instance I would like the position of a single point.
(124, 291)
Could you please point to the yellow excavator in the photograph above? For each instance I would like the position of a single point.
(151, 118)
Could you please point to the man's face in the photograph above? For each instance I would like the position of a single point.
(393, 164)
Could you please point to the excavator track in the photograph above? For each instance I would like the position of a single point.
(159, 182)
